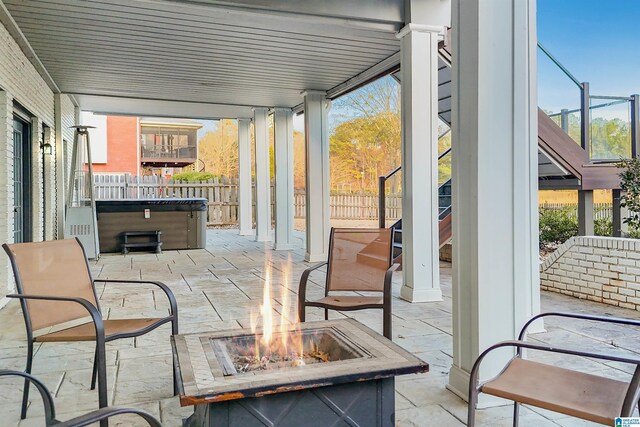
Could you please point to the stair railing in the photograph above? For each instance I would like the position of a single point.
(382, 181)
(382, 198)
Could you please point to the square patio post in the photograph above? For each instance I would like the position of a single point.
(496, 283)
(245, 208)
(283, 136)
(420, 232)
(316, 110)
(263, 175)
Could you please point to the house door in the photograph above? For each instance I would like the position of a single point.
(21, 181)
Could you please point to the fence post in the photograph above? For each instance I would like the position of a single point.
(585, 129)
(635, 125)
(381, 203)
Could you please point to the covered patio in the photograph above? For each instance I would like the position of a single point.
(216, 289)
(246, 60)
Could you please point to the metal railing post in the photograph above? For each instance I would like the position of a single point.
(382, 220)
(585, 128)
(635, 125)
(564, 120)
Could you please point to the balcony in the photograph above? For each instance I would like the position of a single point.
(169, 144)
(168, 156)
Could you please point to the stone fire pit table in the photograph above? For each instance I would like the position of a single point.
(355, 388)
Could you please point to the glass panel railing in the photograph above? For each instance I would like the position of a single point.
(559, 94)
(610, 128)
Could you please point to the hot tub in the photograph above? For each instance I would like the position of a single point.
(182, 222)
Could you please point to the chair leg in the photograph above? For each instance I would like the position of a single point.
(326, 314)
(301, 312)
(94, 374)
(471, 417)
(516, 412)
(27, 383)
(174, 331)
(101, 358)
(386, 324)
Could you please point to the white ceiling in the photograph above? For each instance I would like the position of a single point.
(236, 53)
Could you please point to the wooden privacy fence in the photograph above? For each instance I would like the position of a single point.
(222, 196)
(600, 210)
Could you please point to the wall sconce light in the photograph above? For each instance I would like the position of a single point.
(46, 148)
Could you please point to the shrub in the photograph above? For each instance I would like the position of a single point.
(557, 225)
(630, 185)
(603, 227)
(193, 176)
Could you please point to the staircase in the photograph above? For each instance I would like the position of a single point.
(563, 163)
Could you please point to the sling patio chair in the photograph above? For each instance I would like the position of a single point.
(359, 261)
(589, 397)
(98, 415)
(59, 304)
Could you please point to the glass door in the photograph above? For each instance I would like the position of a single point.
(21, 181)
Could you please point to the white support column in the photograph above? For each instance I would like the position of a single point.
(37, 190)
(7, 194)
(245, 207)
(263, 178)
(420, 226)
(316, 110)
(495, 217)
(61, 164)
(283, 137)
(49, 186)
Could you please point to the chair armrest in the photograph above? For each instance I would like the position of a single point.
(302, 288)
(49, 408)
(93, 311)
(105, 413)
(170, 296)
(388, 276)
(473, 383)
(605, 319)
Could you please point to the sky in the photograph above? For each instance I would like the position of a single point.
(597, 41)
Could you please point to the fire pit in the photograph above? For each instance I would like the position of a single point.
(314, 373)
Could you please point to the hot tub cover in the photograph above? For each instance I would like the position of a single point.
(156, 205)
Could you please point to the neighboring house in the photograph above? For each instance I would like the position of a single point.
(141, 146)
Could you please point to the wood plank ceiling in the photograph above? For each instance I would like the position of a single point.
(183, 51)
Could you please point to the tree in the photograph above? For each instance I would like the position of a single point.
(219, 150)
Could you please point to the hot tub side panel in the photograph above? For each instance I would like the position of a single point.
(183, 226)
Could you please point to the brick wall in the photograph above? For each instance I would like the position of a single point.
(122, 146)
(21, 83)
(601, 269)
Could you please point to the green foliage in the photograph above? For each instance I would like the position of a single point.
(193, 176)
(634, 233)
(557, 225)
(603, 227)
(630, 185)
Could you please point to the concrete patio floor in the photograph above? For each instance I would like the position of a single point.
(217, 288)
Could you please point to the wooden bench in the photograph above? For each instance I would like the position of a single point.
(155, 244)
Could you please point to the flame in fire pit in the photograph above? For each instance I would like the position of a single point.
(289, 343)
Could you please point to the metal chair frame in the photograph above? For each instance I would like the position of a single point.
(99, 363)
(82, 420)
(632, 397)
(385, 306)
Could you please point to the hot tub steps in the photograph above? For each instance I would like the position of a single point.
(156, 244)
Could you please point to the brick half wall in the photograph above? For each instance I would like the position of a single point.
(601, 269)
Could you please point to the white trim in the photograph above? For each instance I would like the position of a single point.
(420, 28)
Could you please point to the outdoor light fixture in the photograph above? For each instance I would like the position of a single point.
(46, 148)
